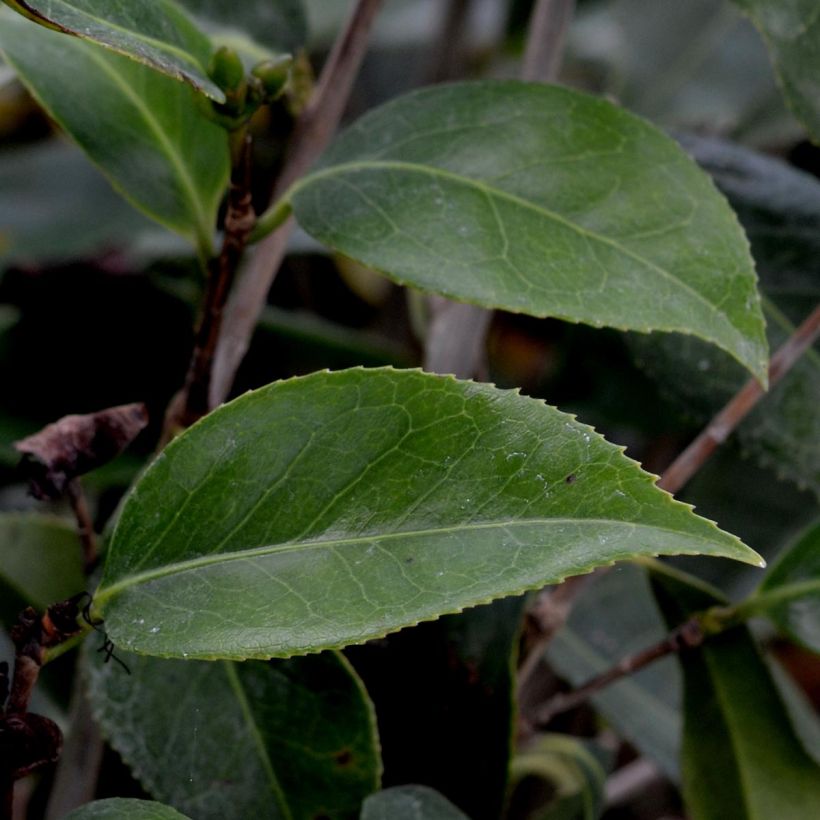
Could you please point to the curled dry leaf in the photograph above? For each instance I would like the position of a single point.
(77, 444)
(27, 743)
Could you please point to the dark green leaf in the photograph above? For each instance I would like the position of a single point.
(540, 200)
(143, 129)
(612, 618)
(40, 562)
(409, 803)
(119, 808)
(288, 739)
(792, 32)
(256, 28)
(429, 683)
(741, 757)
(153, 32)
(334, 508)
(790, 593)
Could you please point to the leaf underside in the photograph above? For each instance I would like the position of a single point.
(334, 508)
(540, 200)
(124, 808)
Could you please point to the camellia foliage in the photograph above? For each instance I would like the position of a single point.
(254, 578)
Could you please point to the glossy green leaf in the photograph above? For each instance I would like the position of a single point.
(156, 33)
(50, 211)
(429, 683)
(740, 755)
(575, 777)
(409, 803)
(540, 200)
(791, 29)
(780, 208)
(616, 616)
(122, 808)
(291, 739)
(144, 130)
(334, 508)
(255, 28)
(40, 562)
(790, 593)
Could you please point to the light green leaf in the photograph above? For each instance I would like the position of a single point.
(144, 130)
(574, 775)
(409, 803)
(334, 508)
(289, 739)
(121, 808)
(156, 33)
(791, 29)
(740, 756)
(789, 595)
(255, 28)
(40, 562)
(540, 200)
(645, 707)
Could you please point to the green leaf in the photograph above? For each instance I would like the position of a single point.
(740, 756)
(52, 205)
(540, 200)
(144, 130)
(645, 707)
(289, 739)
(780, 208)
(334, 508)
(120, 808)
(789, 595)
(791, 29)
(409, 803)
(574, 775)
(40, 562)
(254, 28)
(429, 683)
(156, 33)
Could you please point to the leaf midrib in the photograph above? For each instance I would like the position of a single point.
(487, 190)
(166, 570)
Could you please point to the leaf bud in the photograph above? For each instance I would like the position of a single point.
(273, 75)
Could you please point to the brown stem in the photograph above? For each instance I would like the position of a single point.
(85, 526)
(311, 135)
(724, 423)
(687, 636)
(546, 36)
(449, 47)
(7, 787)
(191, 403)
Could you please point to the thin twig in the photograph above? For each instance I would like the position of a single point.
(192, 402)
(724, 423)
(85, 526)
(687, 636)
(546, 36)
(448, 49)
(312, 133)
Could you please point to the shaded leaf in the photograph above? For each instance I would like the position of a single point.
(288, 739)
(616, 616)
(789, 595)
(740, 755)
(540, 200)
(409, 803)
(39, 562)
(121, 808)
(256, 28)
(792, 33)
(330, 509)
(154, 32)
(144, 130)
(50, 211)
(575, 777)
(780, 208)
(77, 444)
(429, 683)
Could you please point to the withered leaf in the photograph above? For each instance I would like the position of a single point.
(77, 444)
